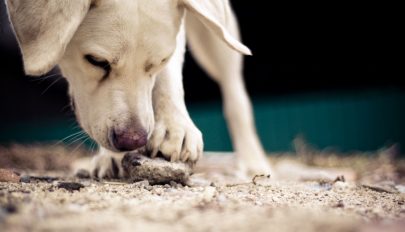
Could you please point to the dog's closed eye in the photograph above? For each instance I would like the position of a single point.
(104, 64)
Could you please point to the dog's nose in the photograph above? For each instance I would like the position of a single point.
(128, 139)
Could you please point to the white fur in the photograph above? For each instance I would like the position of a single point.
(132, 35)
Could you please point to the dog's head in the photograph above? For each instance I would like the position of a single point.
(110, 51)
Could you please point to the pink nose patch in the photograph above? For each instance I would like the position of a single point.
(128, 139)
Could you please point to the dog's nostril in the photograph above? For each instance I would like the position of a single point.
(128, 139)
(135, 162)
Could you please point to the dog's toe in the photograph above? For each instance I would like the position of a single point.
(106, 166)
(178, 141)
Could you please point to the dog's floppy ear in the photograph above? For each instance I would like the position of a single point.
(44, 28)
(213, 14)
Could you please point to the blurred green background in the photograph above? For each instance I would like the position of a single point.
(348, 121)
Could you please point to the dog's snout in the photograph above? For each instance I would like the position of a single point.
(128, 139)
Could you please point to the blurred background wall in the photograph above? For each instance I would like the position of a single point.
(318, 70)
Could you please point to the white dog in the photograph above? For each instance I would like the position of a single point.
(123, 62)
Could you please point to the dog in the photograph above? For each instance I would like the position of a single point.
(123, 62)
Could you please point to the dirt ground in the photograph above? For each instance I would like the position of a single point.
(309, 191)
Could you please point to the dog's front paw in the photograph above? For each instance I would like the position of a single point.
(253, 161)
(176, 138)
(107, 165)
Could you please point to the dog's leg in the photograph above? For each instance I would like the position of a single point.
(107, 164)
(175, 136)
(224, 65)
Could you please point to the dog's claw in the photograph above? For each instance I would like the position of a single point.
(154, 153)
(174, 157)
(185, 156)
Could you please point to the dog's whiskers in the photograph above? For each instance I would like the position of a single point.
(65, 107)
(43, 78)
(72, 137)
(54, 82)
(93, 147)
(73, 124)
(69, 136)
(78, 146)
(80, 137)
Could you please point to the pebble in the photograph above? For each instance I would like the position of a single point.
(209, 193)
(70, 186)
(83, 174)
(340, 186)
(25, 179)
(340, 204)
(400, 188)
(7, 175)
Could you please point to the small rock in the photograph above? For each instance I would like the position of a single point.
(70, 186)
(401, 199)
(259, 203)
(170, 190)
(209, 193)
(48, 179)
(7, 175)
(83, 174)
(156, 171)
(143, 183)
(9, 208)
(275, 199)
(6, 210)
(25, 179)
(340, 204)
(174, 184)
(157, 191)
(340, 179)
(339, 185)
(198, 181)
(400, 188)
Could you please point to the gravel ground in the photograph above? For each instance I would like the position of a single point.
(368, 197)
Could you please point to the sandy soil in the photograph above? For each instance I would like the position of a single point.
(369, 197)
